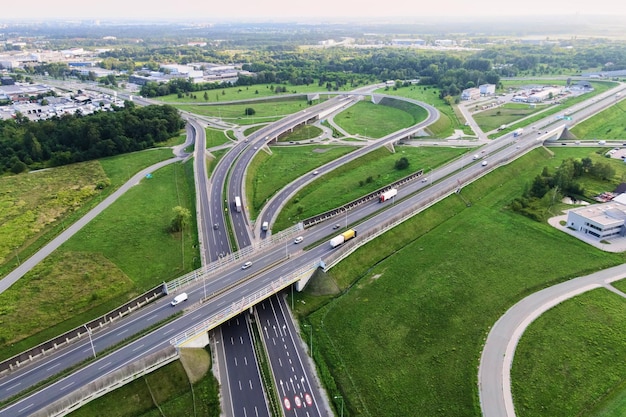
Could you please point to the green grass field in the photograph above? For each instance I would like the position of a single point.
(37, 206)
(569, 360)
(116, 256)
(215, 137)
(421, 298)
(358, 178)
(264, 112)
(268, 173)
(242, 93)
(373, 120)
(508, 113)
(609, 124)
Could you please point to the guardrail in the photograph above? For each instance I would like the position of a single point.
(312, 221)
(78, 333)
(246, 302)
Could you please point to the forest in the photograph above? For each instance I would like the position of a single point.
(27, 145)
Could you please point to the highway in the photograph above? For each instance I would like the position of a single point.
(257, 276)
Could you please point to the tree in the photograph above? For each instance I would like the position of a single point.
(402, 163)
(180, 220)
(249, 111)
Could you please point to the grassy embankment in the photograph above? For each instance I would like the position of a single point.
(609, 124)
(422, 297)
(179, 389)
(448, 120)
(358, 178)
(268, 173)
(375, 120)
(116, 256)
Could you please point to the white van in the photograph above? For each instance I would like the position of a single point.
(265, 226)
(475, 157)
(179, 298)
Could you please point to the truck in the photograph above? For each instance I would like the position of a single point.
(518, 132)
(475, 157)
(342, 238)
(238, 204)
(387, 195)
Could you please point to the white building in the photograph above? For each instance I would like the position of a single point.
(487, 89)
(470, 94)
(602, 221)
(544, 94)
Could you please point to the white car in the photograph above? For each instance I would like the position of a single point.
(298, 240)
(179, 298)
(484, 163)
(246, 265)
(315, 172)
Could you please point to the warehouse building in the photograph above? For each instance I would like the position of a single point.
(601, 221)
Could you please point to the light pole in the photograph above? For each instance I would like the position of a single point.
(90, 340)
(339, 397)
(311, 337)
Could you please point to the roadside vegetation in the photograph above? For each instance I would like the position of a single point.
(116, 256)
(182, 388)
(505, 114)
(422, 297)
(359, 177)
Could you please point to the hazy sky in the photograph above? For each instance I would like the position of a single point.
(279, 9)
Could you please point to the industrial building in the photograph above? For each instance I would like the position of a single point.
(487, 89)
(470, 94)
(601, 221)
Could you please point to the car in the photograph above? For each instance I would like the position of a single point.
(179, 298)
(484, 163)
(539, 133)
(337, 226)
(315, 172)
(298, 240)
(246, 265)
(215, 226)
(563, 144)
(425, 179)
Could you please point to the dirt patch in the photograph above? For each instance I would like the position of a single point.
(196, 362)
(320, 150)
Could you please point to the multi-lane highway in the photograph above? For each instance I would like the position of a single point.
(446, 180)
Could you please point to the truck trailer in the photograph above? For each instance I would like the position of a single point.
(238, 204)
(342, 238)
(387, 195)
(518, 132)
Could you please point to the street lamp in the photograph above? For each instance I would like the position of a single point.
(90, 340)
(337, 397)
(311, 337)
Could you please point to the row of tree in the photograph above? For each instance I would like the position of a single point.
(25, 144)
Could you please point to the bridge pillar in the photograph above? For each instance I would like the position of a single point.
(200, 340)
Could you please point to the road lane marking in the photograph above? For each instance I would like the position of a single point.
(104, 366)
(26, 408)
(137, 348)
(14, 386)
(53, 366)
(66, 386)
(152, 317)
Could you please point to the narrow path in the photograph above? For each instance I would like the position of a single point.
(40, 255)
